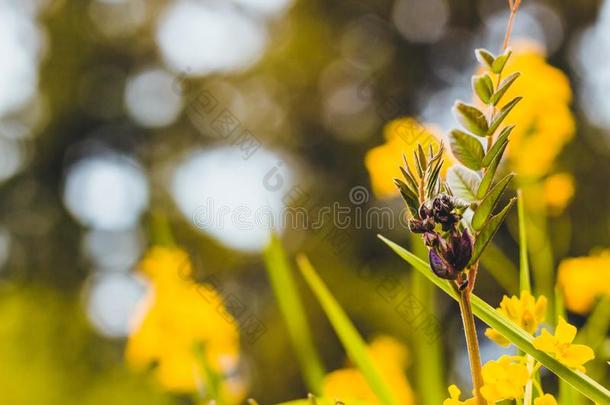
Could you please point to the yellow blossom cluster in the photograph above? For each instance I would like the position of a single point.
(583, 279)
(390, 357)
(528, 312)
(525, 311)
(176, 317)
(561, 347)
(504, 378)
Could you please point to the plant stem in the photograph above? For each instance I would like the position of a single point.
(472, 343)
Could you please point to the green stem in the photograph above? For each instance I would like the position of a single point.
(472, 343)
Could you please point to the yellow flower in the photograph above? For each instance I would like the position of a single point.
(527, 312)
(504, 378)
(383, 162)
(544, 122)
(561, 347)
(175, 317)
(547, 399)
(583, 279)
(390, 357)
(454, 397)
(558, 192)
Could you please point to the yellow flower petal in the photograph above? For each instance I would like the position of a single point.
(454, 392)
(565, 332)
(525, 311)
(545, 342)
(576, 355)
(561, 347)
(547, 399)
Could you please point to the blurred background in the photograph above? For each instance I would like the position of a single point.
(125, 122)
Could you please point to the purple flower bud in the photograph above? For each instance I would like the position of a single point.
(440, 267)
(461, 249)
(424, 211)
(416, 226)
(431, 239)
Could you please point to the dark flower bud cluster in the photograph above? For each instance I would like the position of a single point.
(450, 249)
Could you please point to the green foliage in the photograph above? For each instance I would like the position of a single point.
(500, 144)
(467, 149)
(503, 87)
(484, 236)
(484, 210)
(471, 118)
(284, 287)
(353, 343)
(483, 87)
(463, 182)
(485, 57)
(502, 114)
(525, 283)
(428, 170)
(491, 172)
(498, 64)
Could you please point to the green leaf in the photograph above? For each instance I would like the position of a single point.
(502, 138)
(487, 233)
(503, 87)
(467, 149)
(497, 121)
(484, 87)
(471, 118)
(491, 172)
(428, 358)
(408, 175)
(486, 207)
(463, 182)
(524, 267)
(408, 196)
(291, 307)
(350, 338)
(484, 57)
(498, 64)
(505, 327)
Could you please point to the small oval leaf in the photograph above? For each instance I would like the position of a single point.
(484, 57)
(486, 234)
(471, 118)
(503, 87)
(498, 64)
(463, 182)
(502, 114)
(491, 171)
(486, 207)
(483, 87)
(502, 139)
(467, 149)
